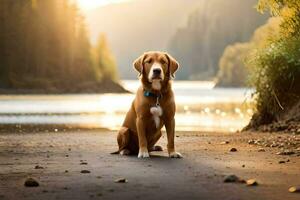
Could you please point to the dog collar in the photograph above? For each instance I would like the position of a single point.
(151, 94)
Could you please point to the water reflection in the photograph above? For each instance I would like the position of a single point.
(199, 107)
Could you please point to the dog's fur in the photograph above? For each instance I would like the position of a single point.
(142, 126)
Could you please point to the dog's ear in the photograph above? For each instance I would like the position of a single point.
(173, 65)
(139, 65)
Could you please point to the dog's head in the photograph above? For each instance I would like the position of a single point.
(156, 68)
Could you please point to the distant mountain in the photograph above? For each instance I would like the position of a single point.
(210, 29)
(137, 26)
(196, 32)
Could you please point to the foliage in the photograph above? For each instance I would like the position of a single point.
(210, 29)
(287, 9)
(43, 44)
(105, 64)
(233, 66)
(275, 66)
(232, 72)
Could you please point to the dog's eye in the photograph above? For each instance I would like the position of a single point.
(163, 62)
(149, 61)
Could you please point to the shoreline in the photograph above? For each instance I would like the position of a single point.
(91, 87)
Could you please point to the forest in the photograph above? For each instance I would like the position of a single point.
(45, 47)
(210, 29)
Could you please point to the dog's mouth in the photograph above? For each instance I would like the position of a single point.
(157, 77)
(156, 73)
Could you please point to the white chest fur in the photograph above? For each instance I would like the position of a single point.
(156, 111)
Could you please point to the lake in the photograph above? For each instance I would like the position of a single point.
(200, 107)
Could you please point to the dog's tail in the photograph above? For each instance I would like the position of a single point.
(115, 152)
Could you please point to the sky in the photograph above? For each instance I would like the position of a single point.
(91, 4)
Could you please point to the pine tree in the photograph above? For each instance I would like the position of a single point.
(104, 61)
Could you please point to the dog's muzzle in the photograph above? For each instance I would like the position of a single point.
(156, 72)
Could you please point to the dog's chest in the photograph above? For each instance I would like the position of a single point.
(156, 112)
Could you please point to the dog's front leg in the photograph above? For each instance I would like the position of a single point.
(170, 128)
(143, 145)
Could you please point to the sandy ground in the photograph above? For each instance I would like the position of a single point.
(199, 175)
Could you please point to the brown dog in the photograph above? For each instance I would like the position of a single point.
(152, 108)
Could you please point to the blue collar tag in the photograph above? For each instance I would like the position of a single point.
(147, 94)
(150, 94)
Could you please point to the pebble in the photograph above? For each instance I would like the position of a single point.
(30, 182)
(285, 152)
(121, 180)
(251, 141)
(233, 179)
(38, 167)
(261, 150)
(85, 171)
(251, 182)
(233, 150)
(83, 163)
(274, 145)
(294, 189)
(281, 162)
(225, 142)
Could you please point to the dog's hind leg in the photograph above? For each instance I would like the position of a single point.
(123, 141)
(152, 146)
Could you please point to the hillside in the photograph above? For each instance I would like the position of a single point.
(196, 32)
(137, 26)
(210, 29)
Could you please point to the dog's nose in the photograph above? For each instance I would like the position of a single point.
(156, 71)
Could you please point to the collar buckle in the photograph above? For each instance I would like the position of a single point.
(157, 101)
(150, 94)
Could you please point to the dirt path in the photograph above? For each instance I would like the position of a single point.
(199, 175)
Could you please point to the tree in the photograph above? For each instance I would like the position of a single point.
(105, 64)
(233, 72)
(210, 29)
(275, 66)
(233, 66)
(44, 44)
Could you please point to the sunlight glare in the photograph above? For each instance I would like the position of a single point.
(91, 4)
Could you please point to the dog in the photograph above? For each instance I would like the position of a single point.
(152, 108)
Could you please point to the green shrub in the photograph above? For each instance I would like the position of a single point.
(275, 65)
(275, 75)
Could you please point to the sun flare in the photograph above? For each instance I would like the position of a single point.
(91, 4)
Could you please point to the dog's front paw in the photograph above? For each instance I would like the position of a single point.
(175, 155)
(143, 153)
